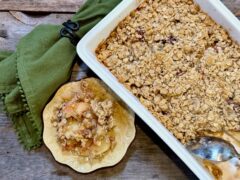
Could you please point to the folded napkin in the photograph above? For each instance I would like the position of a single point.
(42, 62)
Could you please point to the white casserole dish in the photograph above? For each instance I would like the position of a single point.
(86, 50)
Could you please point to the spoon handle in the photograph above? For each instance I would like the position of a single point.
(231, 136)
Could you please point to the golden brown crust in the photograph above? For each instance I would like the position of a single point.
(180, 64)
(124, 130)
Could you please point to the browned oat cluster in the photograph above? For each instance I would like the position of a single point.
(181, 65)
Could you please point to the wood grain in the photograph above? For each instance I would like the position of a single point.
(147, 158)
(14, 25)
(42, 5)
(233, 5)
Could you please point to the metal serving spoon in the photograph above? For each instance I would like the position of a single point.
(213, 148)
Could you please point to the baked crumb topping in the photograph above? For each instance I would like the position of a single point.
(85, 126)
(180, 64)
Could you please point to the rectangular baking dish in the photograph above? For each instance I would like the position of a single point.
(86, 50)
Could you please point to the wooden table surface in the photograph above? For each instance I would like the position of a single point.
(147, 158)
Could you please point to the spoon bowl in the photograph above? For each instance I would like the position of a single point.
(213, 149)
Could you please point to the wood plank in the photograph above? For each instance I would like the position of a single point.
(233, 5)
(14, 25)
(42, 5)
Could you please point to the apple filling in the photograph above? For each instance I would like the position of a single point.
(85, 126)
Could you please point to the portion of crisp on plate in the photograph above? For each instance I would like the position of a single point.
(86, 126)
(181, 65)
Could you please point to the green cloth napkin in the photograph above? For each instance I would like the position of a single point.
(42, 62)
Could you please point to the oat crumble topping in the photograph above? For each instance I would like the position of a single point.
(84, 124)
(180, 64)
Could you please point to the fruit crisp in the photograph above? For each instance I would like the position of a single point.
(83, 123)
(181, 65)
